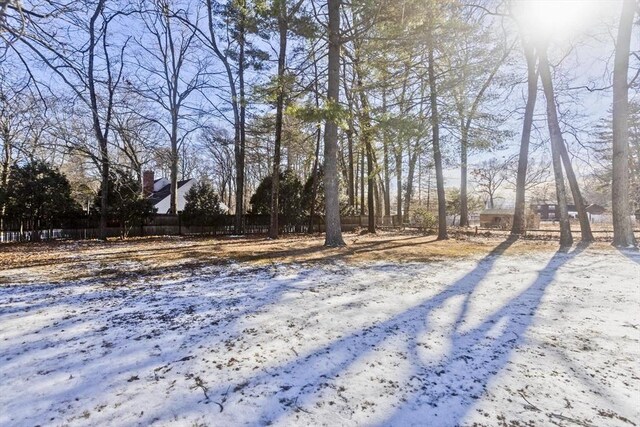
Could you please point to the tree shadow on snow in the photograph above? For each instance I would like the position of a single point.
(456, 380)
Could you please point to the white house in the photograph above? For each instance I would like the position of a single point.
(159, 192)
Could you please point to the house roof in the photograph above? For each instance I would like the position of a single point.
(595, 209)
(157, 196)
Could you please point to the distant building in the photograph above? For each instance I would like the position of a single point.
(549, 212)
(503, 219)
(159, 192)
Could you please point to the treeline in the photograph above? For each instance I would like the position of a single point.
(365, 102)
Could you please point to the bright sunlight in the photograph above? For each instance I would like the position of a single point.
(560, 19)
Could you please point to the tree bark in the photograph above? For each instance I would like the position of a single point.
(622, 227)
(385, 159)
(585, 226)
(275, 176)
(333, 235)
(519, 219)
(464, 206)
(240, 147)
(97, 128)
(566, 239)
(437, 155)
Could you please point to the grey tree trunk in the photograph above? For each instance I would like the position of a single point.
(5, 170)
(333, 236)
(240, 148)
(519, 220)
(437, 156)
(101, 135)
(566, 239)
(583, 217)
(622, 227)
(275, 176)
(464, 151)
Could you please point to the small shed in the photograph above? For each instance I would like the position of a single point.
(496, 218)
(503, 219)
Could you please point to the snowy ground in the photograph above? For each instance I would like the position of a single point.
(500, 340)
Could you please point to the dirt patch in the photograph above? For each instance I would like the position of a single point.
(120, 260)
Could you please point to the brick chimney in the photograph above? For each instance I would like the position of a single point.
(147, 183)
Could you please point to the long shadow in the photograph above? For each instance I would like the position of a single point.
(324, 364)
(327, 362)
(133, 331)
(631, 254)
(477, 356)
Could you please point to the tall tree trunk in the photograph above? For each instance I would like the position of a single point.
(370, 189)
(240, 147)
(437, 155)
(362, 204)
(314, 182)
(385, 159)
(622, 227)
(408, 196)
(333, 235)
(173, 201)
(583, 217)
(519, 218)
(350, 176)
(464, 206)
(399, 186)
(97, 128)
(365, 135)
(566, 239)
(5, 171)
(275, 176)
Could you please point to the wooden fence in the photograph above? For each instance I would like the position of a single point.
(174, 225)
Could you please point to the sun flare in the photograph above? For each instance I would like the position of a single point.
(560, 19)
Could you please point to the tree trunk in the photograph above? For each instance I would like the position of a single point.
(173, 201)
(370, 189)
(519, 219)
(275, 176)
(408, 196)
(622, 227)
(566, 239)
(350, 176)
(333, 236)
(399, 187)
(385, 159)
(314, 185)
(362, 204)
(464, 206)
(437, 156)
(365, 134)
(240, 147)
(5, 171)
(583, 217)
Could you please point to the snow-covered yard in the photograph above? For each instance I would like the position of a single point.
(511, 339)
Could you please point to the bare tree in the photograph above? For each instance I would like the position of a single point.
(169, 73)
(566, 239)
(519, 222)
(84, 64)
(622, 229)
(489, 177)
(557, 141)
(538, 173)
(284, 16)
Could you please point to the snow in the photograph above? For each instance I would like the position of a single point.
(532, 339)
